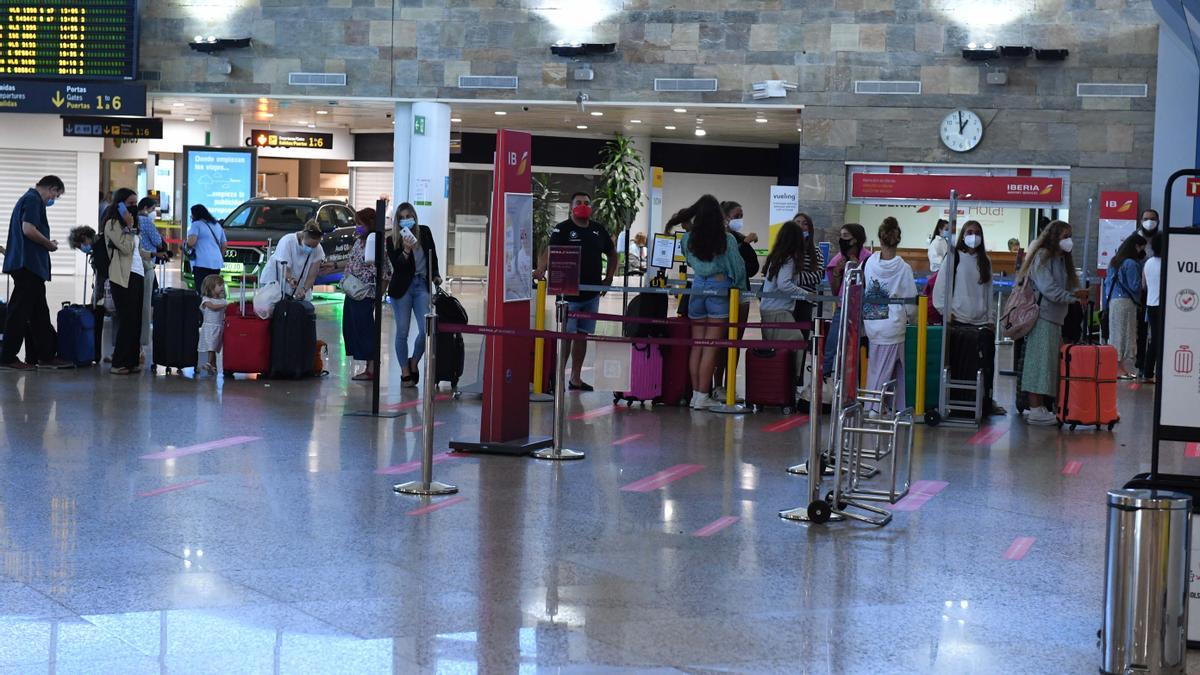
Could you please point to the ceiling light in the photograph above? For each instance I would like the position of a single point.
(580, 126)
(456, 120)
(322, 112)
(597, 113)
(301, 122)
(189, 119)
(701, 132)
(268, 115)
(669, 127)
(799, 129)
(177, 105)
(760, 120)
(312, 126)
(635, 121)
(501, 113)
(681, 110)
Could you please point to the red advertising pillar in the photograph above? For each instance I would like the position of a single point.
(504, 428)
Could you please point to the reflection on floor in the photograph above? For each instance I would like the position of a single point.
(159, 524)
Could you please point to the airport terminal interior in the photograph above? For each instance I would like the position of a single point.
(857, 468)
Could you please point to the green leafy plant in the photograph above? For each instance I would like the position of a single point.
(619, 195)
(545, 194)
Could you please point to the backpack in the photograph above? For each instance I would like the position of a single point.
(1021, 311)
(101, 257)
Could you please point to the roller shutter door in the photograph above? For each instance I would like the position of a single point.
(19, 170)
(367, 183)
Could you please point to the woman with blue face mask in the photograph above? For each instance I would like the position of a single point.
(358, 284)
(413, 255)
(295, 262)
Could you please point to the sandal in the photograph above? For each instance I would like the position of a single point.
(364, 376)
(120, 371)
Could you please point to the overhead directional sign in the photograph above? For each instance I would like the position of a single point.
(70, 39)
(264, 138)
(113, 127)
(73, 98)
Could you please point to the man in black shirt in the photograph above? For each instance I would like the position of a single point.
(594, 243)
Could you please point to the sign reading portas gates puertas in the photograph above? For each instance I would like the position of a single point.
(73, 98)
(219, 178)
(262, 138)
(1180, 376)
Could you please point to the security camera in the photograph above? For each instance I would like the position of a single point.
(525, 108)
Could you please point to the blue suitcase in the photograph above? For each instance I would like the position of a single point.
(77, 334)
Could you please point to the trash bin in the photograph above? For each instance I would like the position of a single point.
(1146, 582)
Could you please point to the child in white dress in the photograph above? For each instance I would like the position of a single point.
(212, 306)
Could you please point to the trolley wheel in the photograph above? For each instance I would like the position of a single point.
(819, 512)
(933, 418)
(616, 398)
(1111, 425)
(841, 506)
(787, 410)
(1073, 426)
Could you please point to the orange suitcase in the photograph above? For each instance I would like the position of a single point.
(1087, 386)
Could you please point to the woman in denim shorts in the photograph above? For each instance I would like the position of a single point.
(712, 255)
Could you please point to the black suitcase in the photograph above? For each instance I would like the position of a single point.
(451, 350)
(176, 334)
(293, 339)
(646, 306)
(971, 349)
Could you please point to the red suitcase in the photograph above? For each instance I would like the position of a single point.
(676, 377)
(246, 344)
(771, 378)
(1087, 386)
(645, 375)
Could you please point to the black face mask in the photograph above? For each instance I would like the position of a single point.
(846, 245)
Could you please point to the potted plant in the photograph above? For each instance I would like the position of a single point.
(619, 193)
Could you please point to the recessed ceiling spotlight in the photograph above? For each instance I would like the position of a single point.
(268, 115)
(501, 113)
(597, 113)
(635, 121)
(312, 126)
(580, 126)
(322, 112)
(301, 121)
(701, 132)
(189, 119)
(681, 110)
(669, 127)
(799, 129)
(760, 120)
(177, 104)
(456, 120)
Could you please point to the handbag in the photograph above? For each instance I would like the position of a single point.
(265, 299)
(1021, 311)
(355, 288)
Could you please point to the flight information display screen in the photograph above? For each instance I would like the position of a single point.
(69, 39)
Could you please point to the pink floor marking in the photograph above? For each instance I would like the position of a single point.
(920, 492)
(663, 478)
(593, 414)
(172, 488)
(988, 435)
(628, 439)
(415, 403)
(1193, 450)
(409, 467)
(715, 526)
(789, 423)
(1019, 548)
(1072, 468)
(202, 447)
(1135, 386)
(419, 427)
(437, 506)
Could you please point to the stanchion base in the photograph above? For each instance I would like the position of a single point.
(801, 469)
(800, 515)
(367, 413)
(516, 448)
(541, 398)
(416, 487)
(561, 455)
(730, 409)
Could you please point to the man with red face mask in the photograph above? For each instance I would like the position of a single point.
(594, 244)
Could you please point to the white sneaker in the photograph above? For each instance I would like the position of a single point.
(718, 394)
(1041, 417)
(701, 401)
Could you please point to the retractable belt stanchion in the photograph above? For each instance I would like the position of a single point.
(556, 451)
(427, 486)
(539, 347)
(731, 407)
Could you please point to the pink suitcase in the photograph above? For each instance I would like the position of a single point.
(645, 375)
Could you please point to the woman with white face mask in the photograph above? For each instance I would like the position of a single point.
(972, 308)
(1051, 269)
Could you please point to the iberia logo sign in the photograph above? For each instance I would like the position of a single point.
(1126, 207)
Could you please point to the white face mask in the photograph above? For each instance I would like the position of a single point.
(1066, 244)
(1149, 225)
(971, 240)
(736, 224)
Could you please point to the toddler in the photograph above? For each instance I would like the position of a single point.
(212, 305)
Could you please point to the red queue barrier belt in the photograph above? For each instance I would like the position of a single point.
(672, 342)
(617, 318)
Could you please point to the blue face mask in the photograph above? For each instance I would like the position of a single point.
(305, 249)
(360, 230)
(86, 248)
(50, 202)
(806, 233)
(407, 223)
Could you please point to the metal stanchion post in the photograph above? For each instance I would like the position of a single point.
(801, 513)
(922, 354)
(539, 347)
(816, 387)
(731, 407)
(427, 486)
(556, 451)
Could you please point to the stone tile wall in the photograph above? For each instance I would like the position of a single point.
(418, 48)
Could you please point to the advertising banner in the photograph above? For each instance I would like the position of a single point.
(908, 186)
(518, 247)
(1179, 380)
(219, 178)
(785, 203)
(563, 270)
(1118, 219)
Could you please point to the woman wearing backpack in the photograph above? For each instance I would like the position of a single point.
(1050, 268)
(1122, 288)
(792, 267)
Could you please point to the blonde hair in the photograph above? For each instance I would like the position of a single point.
(396, 227)
(211, 283)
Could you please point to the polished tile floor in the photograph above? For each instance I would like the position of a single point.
(160, 524)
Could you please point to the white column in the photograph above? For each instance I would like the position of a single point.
(401, 152)
(227, 130)
(641, 223)
(429, 171)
